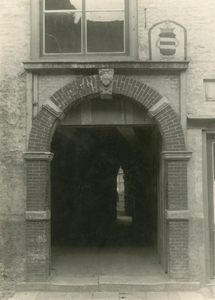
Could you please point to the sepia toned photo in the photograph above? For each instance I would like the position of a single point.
(107, 149)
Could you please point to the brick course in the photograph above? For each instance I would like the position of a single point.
(37, 250)
(178, 249)
(38, 185)
(176, 185)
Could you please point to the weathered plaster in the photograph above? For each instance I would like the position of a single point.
(15, 47)
(199, 21)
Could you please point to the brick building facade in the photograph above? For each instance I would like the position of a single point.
(159, 91)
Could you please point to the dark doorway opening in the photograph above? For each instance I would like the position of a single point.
(84, 185)
(89, 238)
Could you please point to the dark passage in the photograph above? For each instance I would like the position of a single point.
(84, 186)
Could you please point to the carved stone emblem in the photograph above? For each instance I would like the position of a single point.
(106, 76)
(167, 41)
(106, 83)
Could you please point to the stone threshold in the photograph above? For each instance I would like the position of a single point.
(125, 284)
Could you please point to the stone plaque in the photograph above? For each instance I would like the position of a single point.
(167, 41)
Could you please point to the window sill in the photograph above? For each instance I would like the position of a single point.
(116, 63)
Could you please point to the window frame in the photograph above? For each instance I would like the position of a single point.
(37, 37)
(84, 30)
(43, 13)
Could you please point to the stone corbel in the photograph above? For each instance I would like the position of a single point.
(106, 83)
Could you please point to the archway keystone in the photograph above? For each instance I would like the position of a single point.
(38, 160)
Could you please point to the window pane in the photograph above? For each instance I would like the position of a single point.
(105, 4)
(63, 33)
(63, 4)
(105, 32)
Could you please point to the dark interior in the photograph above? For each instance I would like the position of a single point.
(84, 187)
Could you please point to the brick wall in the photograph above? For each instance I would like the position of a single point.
(38, 248)
(38, 185)
(177, 185)
(178, 249)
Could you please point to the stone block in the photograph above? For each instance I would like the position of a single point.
(25, 296)
(50, 296)
(132, 296)
(190, 296)
(157, 296)
(79, 296)
(106, 296)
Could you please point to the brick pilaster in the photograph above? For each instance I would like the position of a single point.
(177, 214)
(38, 215)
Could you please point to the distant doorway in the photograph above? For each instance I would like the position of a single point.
(121, 206)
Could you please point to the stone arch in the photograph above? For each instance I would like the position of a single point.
(38, 160)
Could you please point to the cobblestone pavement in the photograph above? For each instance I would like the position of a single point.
(204, 294)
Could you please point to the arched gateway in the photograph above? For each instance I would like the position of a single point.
(39, 156)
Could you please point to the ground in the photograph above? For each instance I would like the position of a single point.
(204, 294)
(116, 270)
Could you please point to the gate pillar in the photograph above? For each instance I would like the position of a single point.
(177, 214)
(38, 215)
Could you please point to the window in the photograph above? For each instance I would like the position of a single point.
(71, 28)
(84, 26)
